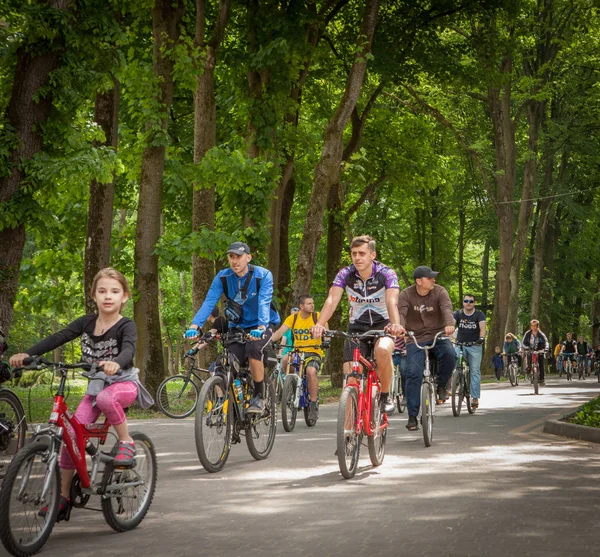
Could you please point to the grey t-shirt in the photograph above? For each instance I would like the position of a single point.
(425, 315)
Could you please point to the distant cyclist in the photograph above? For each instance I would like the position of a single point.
(248, 290)
(512, 345)
(299, 324)
(568, 350)
(583, 350)
(535, 340)
(372, 289)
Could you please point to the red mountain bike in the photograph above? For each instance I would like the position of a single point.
(30, 495)
(359, 412)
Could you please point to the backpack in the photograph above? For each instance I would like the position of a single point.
(233, 310)
(314, 318)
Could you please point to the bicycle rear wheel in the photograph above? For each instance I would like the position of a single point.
(260, 433)
(128, 492)
(289, 412)
(13, 428)
(31, 486)
(177, 396)
(348, 440)
(457, 392)
(278, 380)
(398, 394)
(212, 428)
(376, 441)
(427, 412)
(536, 374)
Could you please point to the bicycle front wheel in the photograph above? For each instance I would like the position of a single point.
(127, 493)
(348, 440)
(29, 500)
(13, 428)
(376, 441)
(261, 429)
(457, 392)
(278, 379)
(512, 374)
(536, 379)
(427, 412)
(212, 428)
(289, 412)
(177, 396)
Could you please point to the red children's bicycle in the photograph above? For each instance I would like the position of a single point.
(359, 412)
(29, 500)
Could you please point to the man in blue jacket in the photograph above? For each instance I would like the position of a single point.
(248, 290)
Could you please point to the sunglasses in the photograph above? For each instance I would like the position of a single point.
(468, 301)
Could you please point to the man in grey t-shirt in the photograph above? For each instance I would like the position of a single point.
(425, 309)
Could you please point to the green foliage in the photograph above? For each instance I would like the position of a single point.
(588, 414)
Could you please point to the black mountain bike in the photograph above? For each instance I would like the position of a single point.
(177, 396)
(221, 416)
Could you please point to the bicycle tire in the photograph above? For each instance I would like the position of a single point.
(457, 392)
(26, 463)
(398, 393)
(120, 516)
(580, 371)
(177, 396)
(289, 412)
(267, 421)
(12, 438)
(512, 374)
(278, 379)
(376, 441)
(427, 412)
(536, 371)
(212, 428)
(348, 441)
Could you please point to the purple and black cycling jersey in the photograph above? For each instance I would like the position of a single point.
(367, 298)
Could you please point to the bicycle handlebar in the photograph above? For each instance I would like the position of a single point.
(356, 336)
(438, 336)
(37, 362)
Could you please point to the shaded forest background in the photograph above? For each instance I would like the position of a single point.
(149, 134)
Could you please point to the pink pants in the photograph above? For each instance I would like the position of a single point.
(110, 402)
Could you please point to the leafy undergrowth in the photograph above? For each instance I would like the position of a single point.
(588, 414)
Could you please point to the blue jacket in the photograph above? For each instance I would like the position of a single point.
(256, 310)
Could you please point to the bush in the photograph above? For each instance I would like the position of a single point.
(588, 414)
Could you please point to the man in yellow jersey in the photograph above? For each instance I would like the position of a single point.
(300, 324)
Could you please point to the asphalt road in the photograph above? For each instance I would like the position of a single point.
(492, 484)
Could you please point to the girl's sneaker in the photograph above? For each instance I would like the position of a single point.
(64, 510)
(125, 457)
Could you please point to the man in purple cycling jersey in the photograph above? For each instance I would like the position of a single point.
(372, 290)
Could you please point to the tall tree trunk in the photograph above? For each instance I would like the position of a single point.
(461, 250)
(485, 277)
(327, 172)
(285, 271)
(596, 314)
(205, 138)
(26, 114)
(100, 208)
(535, 111)
(166, 17)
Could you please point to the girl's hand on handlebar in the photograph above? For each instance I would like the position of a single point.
(110, 368)
(16, 360)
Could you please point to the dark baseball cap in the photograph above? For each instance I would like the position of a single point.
(424, 272)
(238, 248)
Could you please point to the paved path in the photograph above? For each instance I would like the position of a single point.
(492, 484)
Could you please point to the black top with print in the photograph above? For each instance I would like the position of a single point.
(117, 344)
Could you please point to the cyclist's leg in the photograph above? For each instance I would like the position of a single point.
(312, 368)
(403, 368)
(474, 355)
(415, 360)
(541, 360)
(254, 353)
(385, 368)
(446, 358)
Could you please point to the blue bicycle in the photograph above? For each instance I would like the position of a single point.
(295, 394)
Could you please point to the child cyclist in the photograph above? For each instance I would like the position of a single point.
(108, 339)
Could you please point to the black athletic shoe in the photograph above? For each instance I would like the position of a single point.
(412, 424)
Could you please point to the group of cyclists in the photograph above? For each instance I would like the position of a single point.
(376, 303)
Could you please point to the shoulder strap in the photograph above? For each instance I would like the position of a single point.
(294, 321)
(244, 289)
(224, 283)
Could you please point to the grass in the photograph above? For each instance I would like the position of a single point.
(588, 414)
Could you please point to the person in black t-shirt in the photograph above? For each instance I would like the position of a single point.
(569, 348)
(470, 324)
(108, 339)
